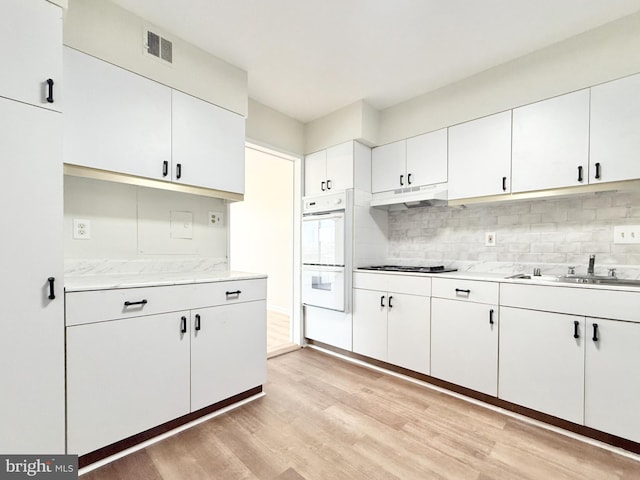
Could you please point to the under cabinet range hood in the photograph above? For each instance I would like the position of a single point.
(409, 197)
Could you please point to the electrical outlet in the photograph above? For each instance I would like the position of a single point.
(81, 229)
(490, 239)
(215, 219)
(626, 234)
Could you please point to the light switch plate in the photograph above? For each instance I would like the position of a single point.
(626, 234)
(216, 219)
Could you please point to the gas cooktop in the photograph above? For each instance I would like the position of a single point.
(412, 269)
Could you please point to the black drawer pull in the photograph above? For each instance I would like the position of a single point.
(183, 325)
(576, 334)
(52, 294)
(390, 306)
(382, 301)
(463, 290)
(402, 180)
(237, 292)
(491, 316)
(328, 184)
(165, 168)
(322, 186)
(409, 179)
(139, 302)
(580, 173)
(504, 184)
(595, 332)
(598, 171)
(197, 322)
(50, 90)
(178, 171)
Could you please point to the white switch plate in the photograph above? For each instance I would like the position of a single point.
(216, 219)
(490, 239)
(181, 224)
(81, 229)
(626, 234)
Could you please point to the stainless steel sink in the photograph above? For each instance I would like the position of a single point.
(584, 279)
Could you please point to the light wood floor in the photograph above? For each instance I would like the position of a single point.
(324, 418)
(278, 334)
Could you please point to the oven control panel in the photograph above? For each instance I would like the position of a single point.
(324, 203)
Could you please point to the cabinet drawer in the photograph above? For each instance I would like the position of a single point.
(588, 302)
(411, 285)
(101, 305)
(469, 290)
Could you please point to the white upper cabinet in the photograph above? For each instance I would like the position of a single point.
(347, 165)
(388, 166)
(427, 158)
(31, 48)
(207, 144)
(115, 120)
(551, 143)
(615, 127)
(480, 157)
(413, 162)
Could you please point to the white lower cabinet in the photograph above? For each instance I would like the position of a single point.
(129, 374)
(541, 362)
(612, 387)
(391, 326)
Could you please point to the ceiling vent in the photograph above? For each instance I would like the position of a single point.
(159, 47)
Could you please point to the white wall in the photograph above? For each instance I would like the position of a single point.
(261, 228)
(270, 128)
(104, 30)
(129, 222)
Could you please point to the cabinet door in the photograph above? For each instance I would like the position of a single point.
(207, 144)
(228, 351)
(115, 120)
(31, 51)
(389, 167)
(612, 388)
(124, 377)
(32, 324)
(464, 344)
(615, 121)
(340, 167)
(541, 364)
(408, 338)
(427, 158)
(370, 323)
(315, 173)
(551, 143)
(480, 157)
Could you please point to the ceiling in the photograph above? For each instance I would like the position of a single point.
(308, 58)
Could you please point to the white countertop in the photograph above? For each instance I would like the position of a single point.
(80, 283)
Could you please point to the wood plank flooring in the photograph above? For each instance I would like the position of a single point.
(324, 418)
(278, 334)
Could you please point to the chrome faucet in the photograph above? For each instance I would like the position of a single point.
(592, 261)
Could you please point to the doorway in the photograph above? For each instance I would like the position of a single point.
(261, 238)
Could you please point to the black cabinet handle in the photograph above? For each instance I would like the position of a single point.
(140, 302)
(580, 173)
(576, 334)
(402, 180)
(462, 290)
(595, 332)
(491, 316)
(504, 184)
(322, 186)
(390, 306)
(165, 168)
(382, 301)
(328, 184)
(237, 292)
(183, 325)
(50, 90)
(197, 322)
(178, 170)
(409, 179)
(598, 171)
(52, 294)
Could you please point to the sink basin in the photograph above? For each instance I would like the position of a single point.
(584, 279)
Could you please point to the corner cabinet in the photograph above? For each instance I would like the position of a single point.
(32, 404)
(391, 319)
(337, 168)
(414, 162)
(480, 157)
(118, 121)
(158, 353)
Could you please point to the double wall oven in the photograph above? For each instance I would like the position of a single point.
(325, 256)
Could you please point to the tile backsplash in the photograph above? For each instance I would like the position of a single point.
(556, 231)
